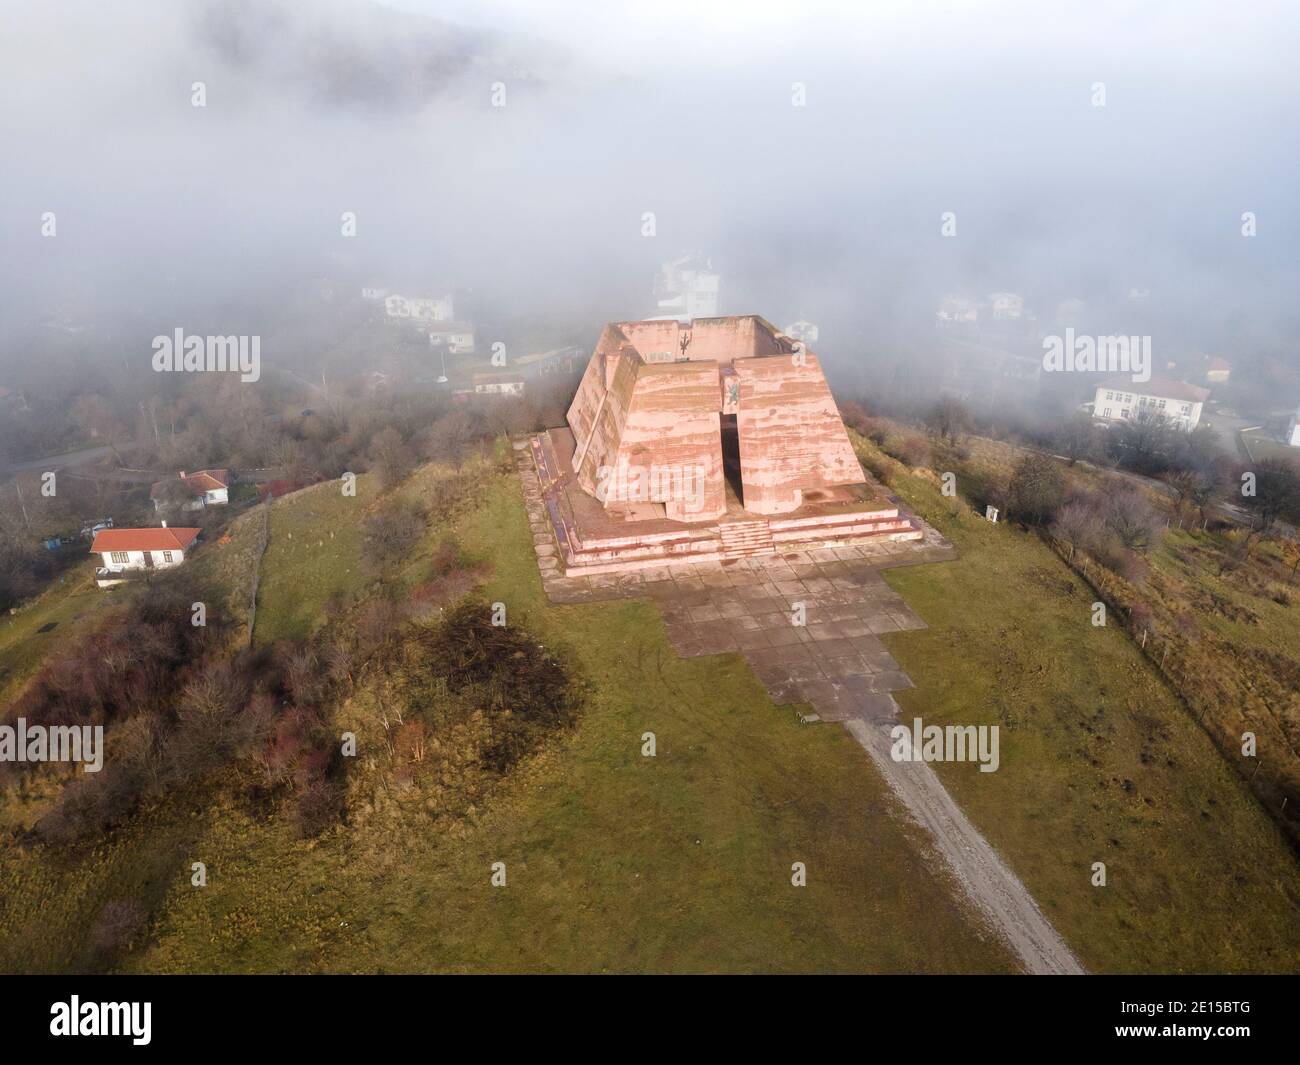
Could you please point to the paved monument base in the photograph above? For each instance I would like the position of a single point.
(589, 538)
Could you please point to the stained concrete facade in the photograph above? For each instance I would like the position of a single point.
(648, 419)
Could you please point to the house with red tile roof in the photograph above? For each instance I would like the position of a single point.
(128, 553)
(205, 488)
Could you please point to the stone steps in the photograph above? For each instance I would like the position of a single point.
(743, 538)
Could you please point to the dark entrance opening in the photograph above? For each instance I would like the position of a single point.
(731, 457)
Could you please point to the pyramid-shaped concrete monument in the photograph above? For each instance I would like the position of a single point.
(696, 441)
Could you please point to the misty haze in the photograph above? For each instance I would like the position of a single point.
(650, 488)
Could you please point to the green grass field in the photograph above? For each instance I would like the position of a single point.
(617, 862)
(314, 554)
(70, 602)
(317, 556)
(1099, 762)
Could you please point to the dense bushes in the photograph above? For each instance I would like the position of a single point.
(175, 707)
(391, 530)
(467, 690)
(465, 669)
(130, 664)
(1036, 490)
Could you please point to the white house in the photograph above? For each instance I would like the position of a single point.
(374, 292)
(133, 552)
(1070, 311)
(207, 488)
(1217, 371)
(687, 288)
(456, 337)
(556, 360)
(419, 308)
(1176, 402)
(1006, 306)
(499, 384)
(1293, 430)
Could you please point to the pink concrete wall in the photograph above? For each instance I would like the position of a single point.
(791, 436)
(635, 421)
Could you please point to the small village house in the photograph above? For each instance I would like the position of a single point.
(956, 310)
(456, 337)
(419, 308)
(498, 384)
(1217, 371)
(204, 488)
(128, 553)
(687, 288)
(1006, 306)
(804, 331)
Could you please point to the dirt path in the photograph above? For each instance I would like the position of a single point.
(985, 878)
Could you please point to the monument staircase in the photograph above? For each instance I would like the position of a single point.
(742, 538)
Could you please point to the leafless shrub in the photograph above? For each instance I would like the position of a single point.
(948, 419)
(1078, 523)
(118, 925)
(392, 530)
(1132, 518)
(913, 451)
(391, 458)
(319, 805)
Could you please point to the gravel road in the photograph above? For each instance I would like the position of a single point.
(991, 885)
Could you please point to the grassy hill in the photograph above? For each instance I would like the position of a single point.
(37, 627)
(682, 862)
(1099, 763)
(615, 862)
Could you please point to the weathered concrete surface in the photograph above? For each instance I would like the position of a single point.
(792, 441)
(645, 418)
(656, 438)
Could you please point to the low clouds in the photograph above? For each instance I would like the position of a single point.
(829, 211)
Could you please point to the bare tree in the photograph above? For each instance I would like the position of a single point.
(1132, 518)
(1078, 524)
(392, 459)
(1193, 489)
(1077, 439)
(392, 530)
(1276, 495)
(1145, 440)
(948, 419)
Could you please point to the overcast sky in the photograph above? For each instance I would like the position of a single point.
(831, 210)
